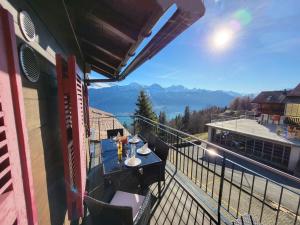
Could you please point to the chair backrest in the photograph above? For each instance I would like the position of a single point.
(104, 213)
(114, 133)
(149, 137)
(161, 149)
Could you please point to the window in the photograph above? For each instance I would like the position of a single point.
(278, 153)
(267, 151)
(258, 148)
(286, 155)
(249, 146)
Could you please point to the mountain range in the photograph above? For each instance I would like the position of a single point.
(121, 100)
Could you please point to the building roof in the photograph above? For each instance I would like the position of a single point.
(253, 128)
(294, 92)
(279, 97)
(101, 121)
(270, 97)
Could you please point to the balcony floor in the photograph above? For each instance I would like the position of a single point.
(176, 205)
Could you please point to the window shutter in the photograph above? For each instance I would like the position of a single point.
(17, 205)
(86, 110)
(70, 94)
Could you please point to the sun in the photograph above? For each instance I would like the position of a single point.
(222, 38)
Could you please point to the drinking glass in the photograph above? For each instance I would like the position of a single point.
(133, 148)
(127, 150)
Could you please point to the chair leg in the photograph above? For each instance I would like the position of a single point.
(159, 189)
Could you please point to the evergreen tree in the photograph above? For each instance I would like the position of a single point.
(186, 118)
(178, 122)
(144, 108)
(162, 118)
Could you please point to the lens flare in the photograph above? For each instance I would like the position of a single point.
(243, 16)
(222, 38)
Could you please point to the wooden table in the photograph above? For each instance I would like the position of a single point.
(110, 161)
(113, 168)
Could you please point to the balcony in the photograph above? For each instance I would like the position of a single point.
(208, 184)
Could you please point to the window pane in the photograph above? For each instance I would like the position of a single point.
(258, 148)
(267, 152)
(278, 153)
(249, 146)
(286, 155)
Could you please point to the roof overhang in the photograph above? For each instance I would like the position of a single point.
(107, 33)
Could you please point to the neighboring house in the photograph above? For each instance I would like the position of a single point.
(271, 102)
(273, 138)
(292, 105)
(101, 122)
(279, 105)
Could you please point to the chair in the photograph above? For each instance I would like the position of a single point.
(149, 137)
(114, 133)
(155, 172)
(122, 209)
(161, 149)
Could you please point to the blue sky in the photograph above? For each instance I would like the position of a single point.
(263, 52)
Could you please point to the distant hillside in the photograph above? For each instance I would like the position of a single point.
(121, 99)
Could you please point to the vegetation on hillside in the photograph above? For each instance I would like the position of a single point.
(192, 122)
(241, 103)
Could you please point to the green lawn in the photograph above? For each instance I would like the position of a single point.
(203, 136)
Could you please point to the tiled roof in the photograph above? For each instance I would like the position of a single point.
(270, 97)
(101, 121)
(295, 92)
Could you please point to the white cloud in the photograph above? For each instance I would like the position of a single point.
(100, 85)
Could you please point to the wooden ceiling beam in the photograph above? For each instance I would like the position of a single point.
(102, 71)
(101, 61)
(115, 28)
(102, 49)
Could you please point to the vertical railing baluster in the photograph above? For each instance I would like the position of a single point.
(297, 212)
(201, 178)
(197, 165)
(195, 221)
(279, 203)
(177, 143)
(214, 177)
(251, 195)
(221, 190)
(230, 188)
(192, 162)
(263, 203)
(188, 161)
(207, 175)
(240, 192)
(183, 169)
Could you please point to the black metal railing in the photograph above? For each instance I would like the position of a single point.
(230, 184)
(234, 183)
